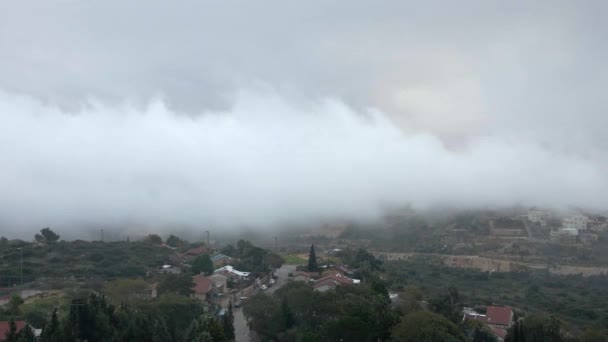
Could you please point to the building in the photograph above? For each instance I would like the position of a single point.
(230, 272)
(498, 319)
(304, 276)
(537, 216)
(5, 327)
(202, 287)
(564, 235)
(575, 222)
(193, 253)
(220, 283)
(332, 281)
(220, 260)
(170, 269)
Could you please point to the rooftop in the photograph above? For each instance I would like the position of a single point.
(202, 285)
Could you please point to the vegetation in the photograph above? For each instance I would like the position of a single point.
(95, 319)
(312, 260)
(80, 259)
(47, 236)
(180, 284)
(574, 300)
(427, 326)
(349, 313)
(202, 264)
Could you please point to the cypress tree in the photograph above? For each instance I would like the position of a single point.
(312, 260)
(228, 323)
(11, 335)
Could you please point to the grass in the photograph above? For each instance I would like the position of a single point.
(291, 259)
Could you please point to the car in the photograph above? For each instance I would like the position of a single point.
(238, 304)
(272, 281)
(264, 287)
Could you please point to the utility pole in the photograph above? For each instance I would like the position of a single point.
(207, 237)
(21, 259)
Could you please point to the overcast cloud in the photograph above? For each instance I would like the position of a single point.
(239, 112)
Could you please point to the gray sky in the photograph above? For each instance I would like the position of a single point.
(241, 112)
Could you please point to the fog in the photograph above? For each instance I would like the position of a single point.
(234, 114)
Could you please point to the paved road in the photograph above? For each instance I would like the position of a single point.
(241, 330)
(283, 275)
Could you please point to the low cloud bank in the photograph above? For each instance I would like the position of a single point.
(266, 161)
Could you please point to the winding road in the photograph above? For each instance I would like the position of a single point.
(241, 330)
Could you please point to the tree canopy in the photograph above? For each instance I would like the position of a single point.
(202, 264)
(47, 236)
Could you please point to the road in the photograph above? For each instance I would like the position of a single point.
(241, 330)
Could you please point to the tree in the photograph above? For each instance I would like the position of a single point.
(3, 241)
(202, 264)
(426, 326)
(47, 236)
(154, 239)
(228, 323)
(180, 284)
(535, 328)
(51, 332)
(14, 303)
(174, 241)
(26, 335)
(286, 314)
(592, 335)
(11, 335)
(312, 260)
(273, 260)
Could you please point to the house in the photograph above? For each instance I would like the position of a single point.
(304, 276)
(498, 319)
(202, 287)
(229, 271)
(5, 327)
(170, 269)
(343, 269)
(220, 260)
(220, 283)
(194, 252)
(564, 235)
(332, 281)
(575, 222)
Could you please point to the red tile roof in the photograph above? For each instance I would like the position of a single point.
(501, 315)
(202, 285)
(5, 328)
(196, 251)
(332, 281)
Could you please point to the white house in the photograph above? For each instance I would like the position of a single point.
(575, 222)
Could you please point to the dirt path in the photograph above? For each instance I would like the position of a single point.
(499, 265)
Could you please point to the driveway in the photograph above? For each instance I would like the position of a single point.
(241, 330)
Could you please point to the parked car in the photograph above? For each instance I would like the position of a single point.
(264, 287)
(272, 281)
(238, 304)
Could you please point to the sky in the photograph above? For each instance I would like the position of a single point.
(241, 113)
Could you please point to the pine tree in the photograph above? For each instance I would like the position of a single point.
(11, 335)
(312, 260)
(51, 332)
